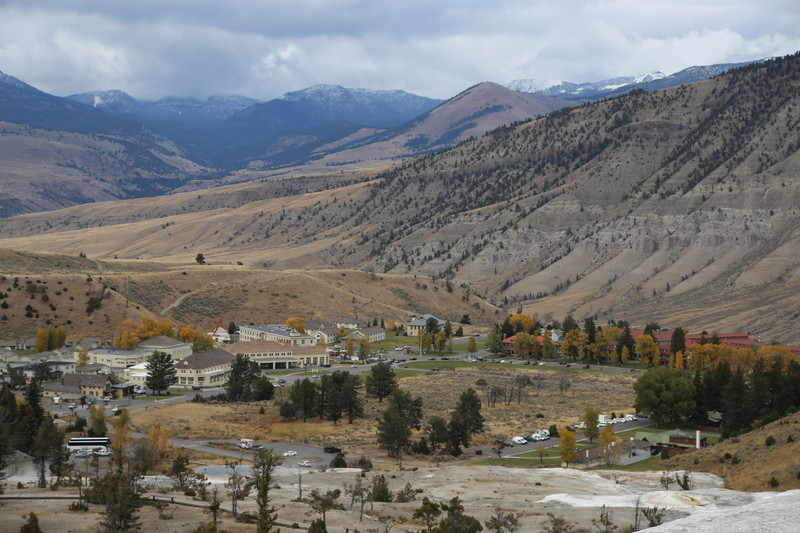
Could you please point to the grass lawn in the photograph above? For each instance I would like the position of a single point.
(641, 466)
(438, 363)
(521, 462)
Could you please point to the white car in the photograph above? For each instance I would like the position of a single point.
(304, 463)
(290, 453)
(519, 440)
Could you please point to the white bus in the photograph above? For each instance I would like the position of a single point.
(99, 445)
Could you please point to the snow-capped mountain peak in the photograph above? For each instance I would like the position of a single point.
(650, 76)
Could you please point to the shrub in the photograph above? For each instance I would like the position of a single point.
(770, 441)
(338, 462)
(190, 492)
(773, 482)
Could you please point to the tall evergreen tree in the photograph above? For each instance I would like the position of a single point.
(678, 341)
(590, 329)
(569, 324)
(381, 381)
(759, 394)
(701, 407)
(161, 373)
(465, 421)
(736, 413)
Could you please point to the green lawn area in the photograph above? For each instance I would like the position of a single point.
(521, 462)
(641, 466)
(438, 363)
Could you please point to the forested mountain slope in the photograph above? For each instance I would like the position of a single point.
(677, 205)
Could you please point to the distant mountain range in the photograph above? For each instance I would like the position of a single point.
(119, 147)
(616, 86)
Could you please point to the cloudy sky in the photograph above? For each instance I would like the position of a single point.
(436, 48)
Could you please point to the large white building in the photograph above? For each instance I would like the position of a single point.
(272, 355)
(118, 360)
(203, 369)
(271, 333)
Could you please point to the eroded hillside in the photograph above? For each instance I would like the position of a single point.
(677, 206)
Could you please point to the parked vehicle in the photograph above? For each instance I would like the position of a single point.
(290, 453)
(519, 440)
(544, 432)
(304, 463)
(331, 449)
(248, 444)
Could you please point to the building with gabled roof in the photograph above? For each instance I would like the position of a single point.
(94, 385)
(273, 333)
(418, 324)
(177, 349)
(204, 369)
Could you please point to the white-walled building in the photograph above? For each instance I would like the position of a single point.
(273, 355)
(119, 360)
(280, 335)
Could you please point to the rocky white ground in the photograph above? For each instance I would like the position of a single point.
(533, 493)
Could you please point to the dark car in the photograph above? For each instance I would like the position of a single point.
(331, 449)
(586, 366)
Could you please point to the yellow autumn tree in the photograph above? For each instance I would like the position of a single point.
(83, 357)
(625, 355)
(680, 360)
(158, 439)
(566, 446)
(151, 327)
(521, 322)
(771, 352)
(296, 324)
(42, 339)
(122, 433)
(744, 359)
(647, 349)
(610, 445)
(127, 338)
(188, 333)
(60, 338)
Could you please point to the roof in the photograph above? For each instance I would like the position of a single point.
(653, 437)
(201, 360)
(162, 341)
(308, 350)
(423, 319)
(370, 330)
(88, 380)
(258, 346)
(136, 352)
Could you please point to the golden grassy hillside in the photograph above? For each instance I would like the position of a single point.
(747, 462)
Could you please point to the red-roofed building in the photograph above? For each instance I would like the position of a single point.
(510, 349)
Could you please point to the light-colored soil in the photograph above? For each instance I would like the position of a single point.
(531, 493)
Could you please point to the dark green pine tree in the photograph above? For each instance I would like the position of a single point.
(590, 330)
(736, 413)
(701, 408)
(759, 394)
(678, 341)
